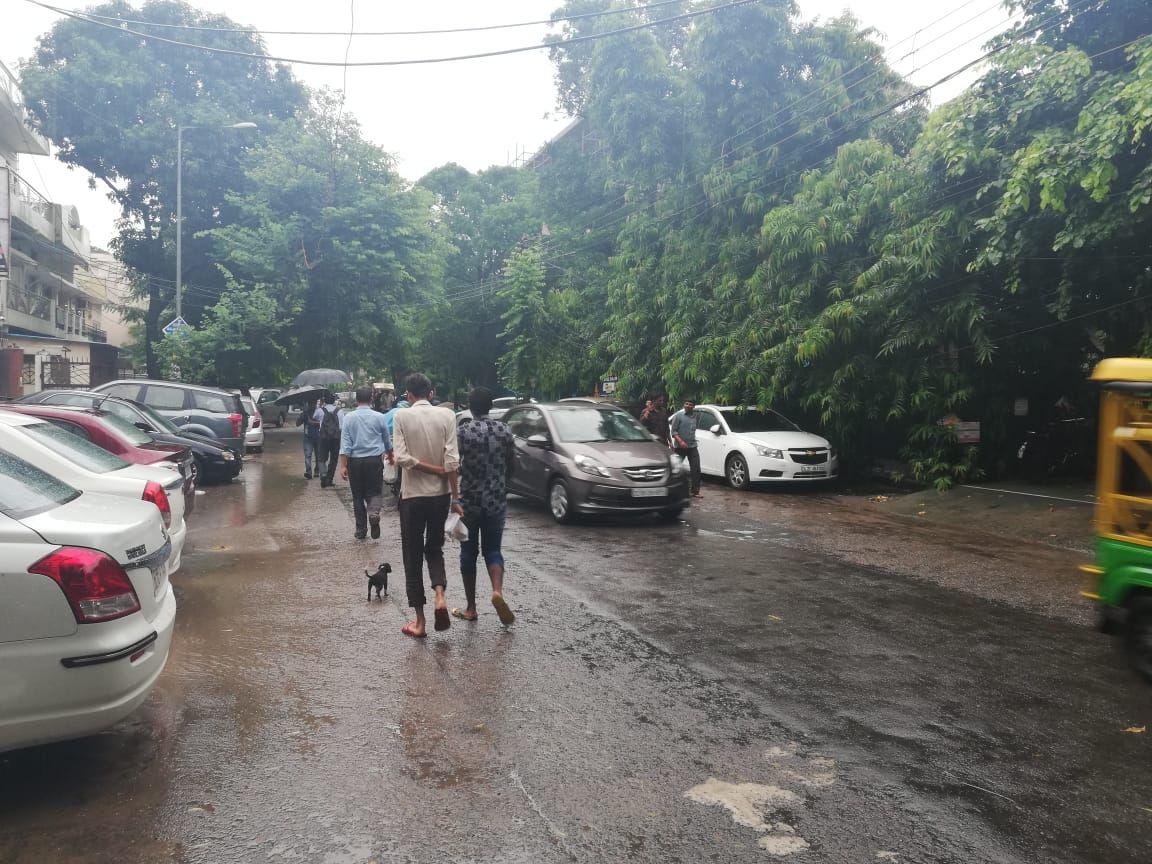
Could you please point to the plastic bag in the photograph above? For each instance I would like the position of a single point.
(455, 529)
(389, 473)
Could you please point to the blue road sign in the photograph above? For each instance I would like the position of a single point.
(177, 323)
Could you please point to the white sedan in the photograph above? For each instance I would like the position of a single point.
(86, 609)
(254, 436)
(749, 445)
(89, 468)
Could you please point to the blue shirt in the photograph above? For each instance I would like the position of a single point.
(390, 415)
(364, 433)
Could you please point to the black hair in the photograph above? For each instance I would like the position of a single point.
(329, 398)
(419, 385)
(363, 395)
(480, 401)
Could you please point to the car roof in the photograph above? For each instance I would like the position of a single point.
(62, 411)
(13, 418)
(181, 384)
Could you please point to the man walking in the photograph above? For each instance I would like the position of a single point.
(364, 444)
(426, 450)
(311, 425)
(485, 462)
(684, 440)
(328, 441)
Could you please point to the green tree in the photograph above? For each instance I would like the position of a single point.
(112, 103)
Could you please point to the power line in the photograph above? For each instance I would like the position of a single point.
(432, 32)
(420, 61)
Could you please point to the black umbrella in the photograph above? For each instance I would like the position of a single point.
(323, 377)
(305, 394)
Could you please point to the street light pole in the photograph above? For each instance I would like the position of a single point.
(180, 130)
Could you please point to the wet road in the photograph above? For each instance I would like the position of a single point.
(782, 676)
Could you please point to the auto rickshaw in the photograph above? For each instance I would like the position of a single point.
(1123, 568)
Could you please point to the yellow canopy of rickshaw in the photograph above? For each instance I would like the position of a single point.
(1138, 369)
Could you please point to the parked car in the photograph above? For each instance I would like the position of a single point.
(90, 468)
(500, 407)
(750, 445)
(211, 460)
(86, 608)
(581, 457)
(270, 413)
(206, 410)
(254, 437)
(117, 436)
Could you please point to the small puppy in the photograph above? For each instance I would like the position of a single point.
(378, 580)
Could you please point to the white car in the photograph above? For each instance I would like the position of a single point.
(750, 445)
(89, 468)
(86, 608)
(254, 436)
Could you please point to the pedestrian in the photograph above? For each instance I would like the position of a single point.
(390, 420)
(311, 425)
(485, 463)
(364, 445)
(654, 418)
(328, 440)
(683, 429)
(426, 449)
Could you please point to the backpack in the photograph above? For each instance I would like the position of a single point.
(330, 426)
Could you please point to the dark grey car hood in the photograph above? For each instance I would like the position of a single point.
(620, 454)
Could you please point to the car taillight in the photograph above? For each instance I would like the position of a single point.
(237, 424)
(255, 422)
(155, 493)
(97, 587)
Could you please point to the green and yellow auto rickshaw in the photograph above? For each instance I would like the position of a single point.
(1123, 568)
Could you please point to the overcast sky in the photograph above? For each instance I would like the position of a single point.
(479, 112)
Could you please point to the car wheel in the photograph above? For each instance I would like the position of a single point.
(559, 503)
(736, 472)
(1138, 635)
(196, 471)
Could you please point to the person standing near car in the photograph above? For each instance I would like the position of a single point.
(683, 429)
(364, 445)
(426, 448)
(328, 441)
(654, 418)
(311, 425)
(485, 463)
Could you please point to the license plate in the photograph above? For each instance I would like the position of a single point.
(815, 469)
(649, 493)
(158, 574)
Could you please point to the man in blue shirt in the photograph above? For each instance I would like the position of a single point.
(364, 444)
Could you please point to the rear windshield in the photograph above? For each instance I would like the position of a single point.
(759, 421)
(25, 490)
(588, 425)
(74, 448)
(127, 430)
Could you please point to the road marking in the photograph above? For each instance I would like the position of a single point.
(1029, 494)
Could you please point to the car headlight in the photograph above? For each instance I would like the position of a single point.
(227, 455)
(590, 466)
(769, 452)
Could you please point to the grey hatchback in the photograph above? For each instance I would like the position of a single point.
(582, 457)
(207, 410)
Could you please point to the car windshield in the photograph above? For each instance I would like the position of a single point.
(25, 490)
(759, 421)
(75, 449)
(127, 430)
(588, 425)
(248, 406)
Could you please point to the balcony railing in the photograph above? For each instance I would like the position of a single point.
(31, 139)
(31, 206)
(29, 302)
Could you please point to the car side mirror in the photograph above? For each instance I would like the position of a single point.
(717, 430)
(541, 442)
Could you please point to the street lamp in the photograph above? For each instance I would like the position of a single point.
(180, 130)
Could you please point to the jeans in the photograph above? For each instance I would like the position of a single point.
(422, 535)
(366, 477)
(693, 457)
(309, 450)
(485, 530)
(327, 452)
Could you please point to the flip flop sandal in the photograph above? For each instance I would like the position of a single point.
(443, 622)
(407, 631)
(502, 610)
(464, 616)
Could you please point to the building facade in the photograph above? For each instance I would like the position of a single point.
(51, 311)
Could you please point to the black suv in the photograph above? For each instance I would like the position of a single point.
(207, 410)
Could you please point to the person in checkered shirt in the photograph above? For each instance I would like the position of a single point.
(485, 463)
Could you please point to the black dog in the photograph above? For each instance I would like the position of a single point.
(378, 580)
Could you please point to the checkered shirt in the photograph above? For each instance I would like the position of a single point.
(485, 451)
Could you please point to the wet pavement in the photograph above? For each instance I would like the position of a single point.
(783, 675)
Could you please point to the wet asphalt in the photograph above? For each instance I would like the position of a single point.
(786, 675)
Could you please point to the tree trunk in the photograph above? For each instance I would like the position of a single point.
(152, 330)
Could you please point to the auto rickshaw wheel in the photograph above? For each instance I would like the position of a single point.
(1138, 634)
